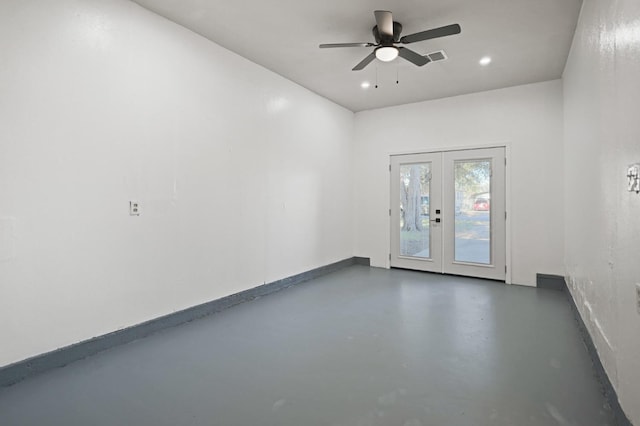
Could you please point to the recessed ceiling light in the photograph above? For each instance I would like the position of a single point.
(365, 84)
(485, 61)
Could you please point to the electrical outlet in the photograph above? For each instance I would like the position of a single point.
(134, 208)
(638, 297)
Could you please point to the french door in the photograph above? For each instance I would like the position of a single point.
(448, 212)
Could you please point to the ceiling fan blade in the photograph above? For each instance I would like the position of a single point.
(365, 62)
(384, 20)
(412, 56)
(429, 34)
(326, 45)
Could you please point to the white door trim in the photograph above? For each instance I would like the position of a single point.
(508, 190)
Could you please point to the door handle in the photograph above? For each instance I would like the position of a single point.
(436, 220)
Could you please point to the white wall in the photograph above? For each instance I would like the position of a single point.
(528, 118)
(602, 137)
(246, 178)
(243, 176)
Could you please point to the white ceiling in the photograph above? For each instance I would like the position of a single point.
(528, 40)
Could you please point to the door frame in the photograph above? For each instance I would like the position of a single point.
(507, 200)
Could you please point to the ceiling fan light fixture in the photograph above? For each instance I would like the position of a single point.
(386, 34)
(387, 53)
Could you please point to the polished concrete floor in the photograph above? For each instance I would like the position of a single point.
(361, 347)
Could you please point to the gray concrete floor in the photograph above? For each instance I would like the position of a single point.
(361, 346)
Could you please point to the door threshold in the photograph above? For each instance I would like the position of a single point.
(448, 275)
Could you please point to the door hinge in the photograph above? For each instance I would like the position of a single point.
(505, 269)
(505, 161)
(505, 215)
(389, 212)
(389, 256)
(389, 167)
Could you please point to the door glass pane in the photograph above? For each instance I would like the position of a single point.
(473, 211)
(414, 209)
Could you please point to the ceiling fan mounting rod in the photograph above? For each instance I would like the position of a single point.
(384, 39)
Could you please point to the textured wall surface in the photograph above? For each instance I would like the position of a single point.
(527, 118)
(243, 177)
(602, 137)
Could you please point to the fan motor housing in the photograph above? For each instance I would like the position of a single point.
(397, 29)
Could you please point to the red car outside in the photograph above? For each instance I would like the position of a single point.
(481, 205)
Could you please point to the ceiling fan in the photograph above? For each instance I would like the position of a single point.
(387, 36)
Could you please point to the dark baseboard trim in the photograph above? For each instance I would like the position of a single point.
(365, 261)
(550, 282)
(38, 364)
(607, 388)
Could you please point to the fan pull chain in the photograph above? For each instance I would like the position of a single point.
(397, 75)
(376, 77)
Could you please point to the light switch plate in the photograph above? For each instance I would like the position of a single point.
(134, 208)
(633, 178)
